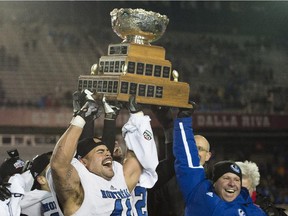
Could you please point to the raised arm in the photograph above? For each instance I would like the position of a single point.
(165, 169)
(109, 128)
(142, 159)
(188, 170)
(65, 177)
(132, 169)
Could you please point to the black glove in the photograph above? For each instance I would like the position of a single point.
(89, 108)
(4, 191)
(132, 106)
(187, 112)
(77, 100)
(112, 110)
(80, 98)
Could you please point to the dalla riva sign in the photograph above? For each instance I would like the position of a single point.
(220, 120)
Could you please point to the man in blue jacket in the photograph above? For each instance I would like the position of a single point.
(224, 196)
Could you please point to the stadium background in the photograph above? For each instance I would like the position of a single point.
(233, 55)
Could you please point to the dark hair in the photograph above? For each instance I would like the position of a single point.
(38, 165)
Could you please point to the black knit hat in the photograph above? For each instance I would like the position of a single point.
(86, 145)
(11, 165)
(223, 167)
(38, 165)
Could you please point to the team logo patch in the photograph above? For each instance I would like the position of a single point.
(112, 187)
(209, 194)
(241, 212)
(235, 168)
(147, 135)
(19, 164)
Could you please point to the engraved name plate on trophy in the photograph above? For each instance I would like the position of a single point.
(136, 67)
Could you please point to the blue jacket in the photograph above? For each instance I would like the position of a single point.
(198, 192)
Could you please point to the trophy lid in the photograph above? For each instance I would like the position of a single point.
(137, 25)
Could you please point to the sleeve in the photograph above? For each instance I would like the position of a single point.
(4, 208)
(109, 134)
(139, 138)
(165, 169)
(29, 180)
(188, 170)
(17, 189)
(88, 130)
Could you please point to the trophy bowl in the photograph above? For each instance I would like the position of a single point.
(137, 25)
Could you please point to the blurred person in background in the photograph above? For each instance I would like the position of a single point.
(39, 201)
(15, 178)
(28, 187)
(250, 180)
(5, 195)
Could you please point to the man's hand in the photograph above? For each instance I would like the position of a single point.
(4, 191)
(80, 98)
(85, 106)
(133, 106)
(111, 111)
(187, 112)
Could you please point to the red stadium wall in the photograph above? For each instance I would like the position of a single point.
(60, 118)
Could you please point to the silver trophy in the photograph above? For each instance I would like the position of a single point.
(137, 25)
(134, 66)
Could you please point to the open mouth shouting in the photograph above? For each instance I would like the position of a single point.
(107, 162)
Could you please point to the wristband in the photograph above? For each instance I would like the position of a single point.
(78, 121)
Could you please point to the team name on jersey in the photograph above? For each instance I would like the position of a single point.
(49, 206)
(121, 194)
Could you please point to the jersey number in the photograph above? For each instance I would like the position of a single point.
(118, 208)
(141, 203)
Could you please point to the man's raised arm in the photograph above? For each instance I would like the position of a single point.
(65, 177)
(142, 158)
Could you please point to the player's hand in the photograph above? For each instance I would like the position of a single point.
(79, 99)
(4, 191)
(76, 101)
(133, 106)
(85, 106)
(111, 110)
(187, 112)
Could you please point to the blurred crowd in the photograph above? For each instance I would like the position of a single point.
(249, 86)
(226, 71)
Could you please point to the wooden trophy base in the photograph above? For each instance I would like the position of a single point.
(140, 70)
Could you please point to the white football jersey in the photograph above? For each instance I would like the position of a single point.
(102, 197)
(38, 203)
(139, 201)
